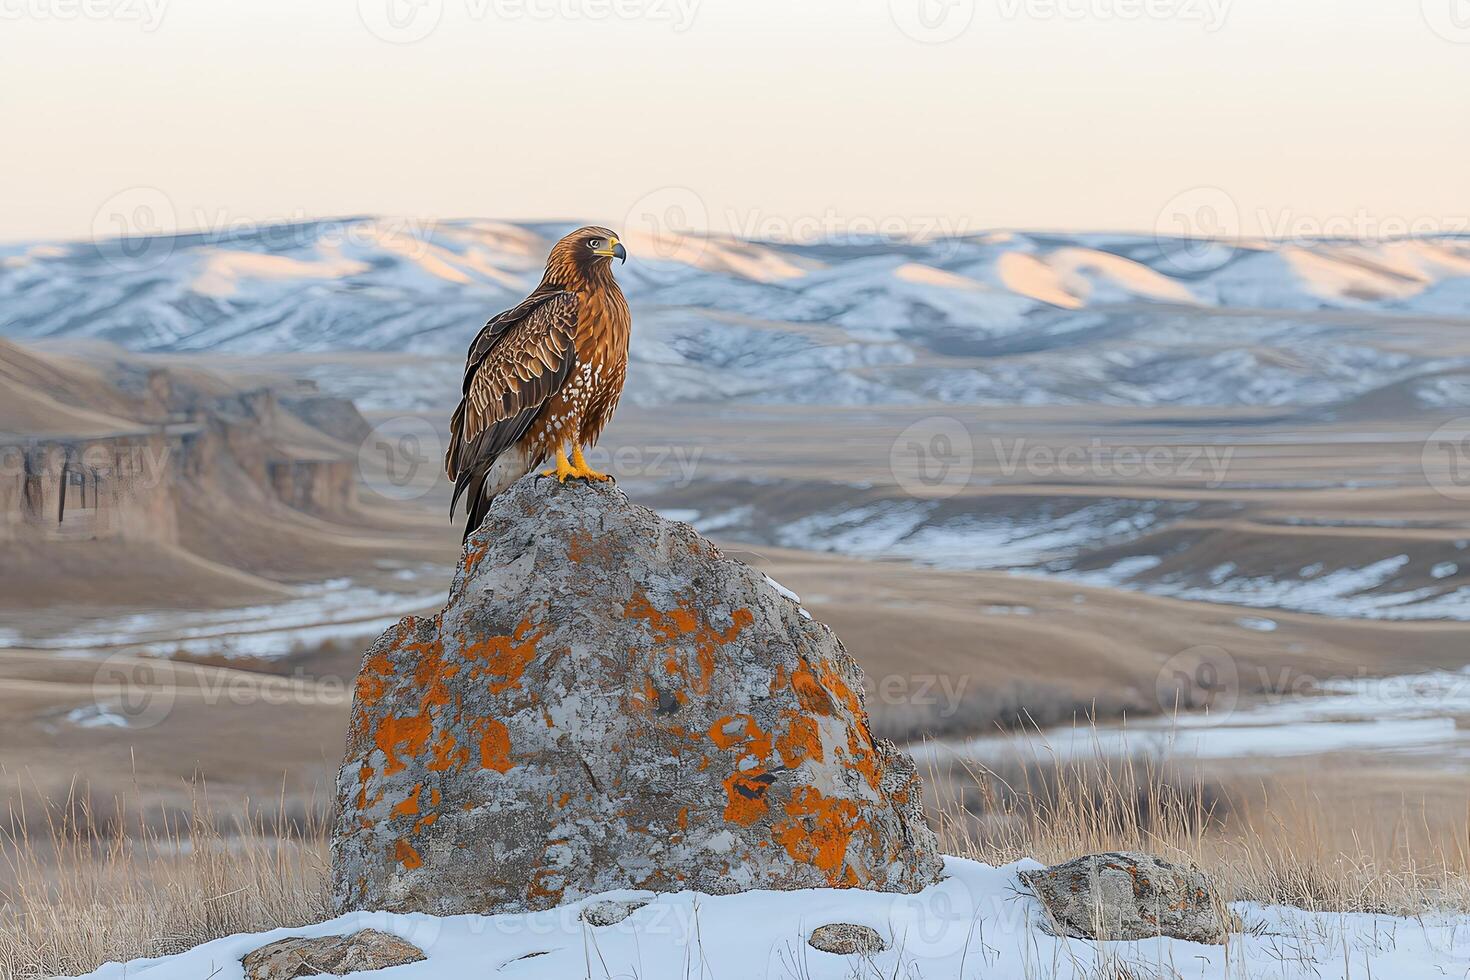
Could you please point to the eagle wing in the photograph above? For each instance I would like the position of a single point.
(515, 364)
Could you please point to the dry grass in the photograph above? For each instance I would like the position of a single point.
(1008, 706)
(1261, 842)
(84, 882)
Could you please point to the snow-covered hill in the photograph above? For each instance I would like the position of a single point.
(979, 922)
(1002, 317)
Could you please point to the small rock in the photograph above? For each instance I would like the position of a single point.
(1124, 896)
(609, 913)
(846, 939)
(329, 956)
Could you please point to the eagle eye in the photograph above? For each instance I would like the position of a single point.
(594, 243)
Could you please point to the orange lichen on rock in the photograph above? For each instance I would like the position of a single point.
(447, 753)
(377, 669)
(582, 545)
(364, 773)
(406, 855)
(537, 887)
(741, 730)
(682, 626)
(835, 685)
(863, 758)
(810, 694)
(818, 832)
(410, 806)
(474, 553)
(800, 741)
(745, 794)
(494, 744)
(409, 734)
(505, 657)
(370, 683)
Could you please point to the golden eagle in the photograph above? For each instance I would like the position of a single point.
(543, 375)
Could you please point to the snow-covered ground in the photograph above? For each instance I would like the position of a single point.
(1388, 716)
(1345, 593)
(337, 610)
(1059, 538)
(919, 531)
(978, 924)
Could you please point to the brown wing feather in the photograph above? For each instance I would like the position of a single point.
(515, 364)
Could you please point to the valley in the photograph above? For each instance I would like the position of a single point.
(1034, 482)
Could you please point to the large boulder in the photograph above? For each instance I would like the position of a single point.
(607, 702)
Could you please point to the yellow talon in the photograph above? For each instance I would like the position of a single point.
(580, 467)
(563, 469)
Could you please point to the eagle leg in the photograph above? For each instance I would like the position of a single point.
(563, 470)
(580, 467)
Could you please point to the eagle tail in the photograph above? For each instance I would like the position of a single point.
(477, 506)
(483, 481)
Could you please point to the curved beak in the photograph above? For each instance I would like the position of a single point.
(613, 250)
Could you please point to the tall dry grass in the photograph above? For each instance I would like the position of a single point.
(1262, 842)
(84, 882)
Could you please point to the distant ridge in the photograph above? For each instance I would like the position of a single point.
(992, 318)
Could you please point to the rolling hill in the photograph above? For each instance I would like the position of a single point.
(998, 318)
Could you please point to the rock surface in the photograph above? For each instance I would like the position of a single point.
(607, 702)
(609, 913)
(1126, 896)
(329, 956)
(846, 939)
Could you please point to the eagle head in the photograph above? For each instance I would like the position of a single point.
(585, 254)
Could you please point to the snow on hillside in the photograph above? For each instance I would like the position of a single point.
(1000, 318)
(979, 922)
(1112, 542)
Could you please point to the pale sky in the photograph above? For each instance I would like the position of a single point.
(769, 117)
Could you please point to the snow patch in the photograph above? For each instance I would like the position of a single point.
(979, 918)
(96, 716)
(782, 590)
